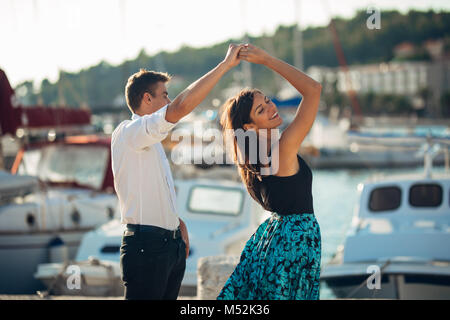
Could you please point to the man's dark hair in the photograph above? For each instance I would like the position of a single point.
(140, 83)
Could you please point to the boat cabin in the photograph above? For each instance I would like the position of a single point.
(401, 216)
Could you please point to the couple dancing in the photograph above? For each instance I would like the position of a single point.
(282, 258)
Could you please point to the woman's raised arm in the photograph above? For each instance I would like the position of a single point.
(295, 133)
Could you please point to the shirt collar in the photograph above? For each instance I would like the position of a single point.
(135, 116)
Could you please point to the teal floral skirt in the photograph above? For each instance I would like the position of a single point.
(281, 261)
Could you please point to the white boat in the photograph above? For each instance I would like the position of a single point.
(220, 217)
(87, 278)
(364, 156)
(62, 187)
(398, 245)
(54, 199)
(338, 147)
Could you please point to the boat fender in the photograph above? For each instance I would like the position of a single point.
(75, 216)
(110, 213)
(30, 220)
(58, 251)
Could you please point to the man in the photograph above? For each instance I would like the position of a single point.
(155, 244)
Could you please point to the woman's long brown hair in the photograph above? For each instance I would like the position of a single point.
(236, 113)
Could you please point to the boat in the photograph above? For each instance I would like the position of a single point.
(90, 278)
(364, 156)
(220, 217)
(397, 246)
(392, 147)
(56, 191)
(33, 215)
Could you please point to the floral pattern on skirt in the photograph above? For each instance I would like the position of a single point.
(281, 261)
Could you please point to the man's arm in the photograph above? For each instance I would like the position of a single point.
(146, 130)
(193, 95)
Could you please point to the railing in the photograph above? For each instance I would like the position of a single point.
(430, 150)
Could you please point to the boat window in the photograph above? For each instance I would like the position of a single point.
(385, 198)
(425, 195)
(83, 165)
(110, 249)
(215, 200)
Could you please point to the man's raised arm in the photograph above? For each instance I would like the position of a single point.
(193, 95)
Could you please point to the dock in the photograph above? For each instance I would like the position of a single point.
(6, 297)
(54, 297)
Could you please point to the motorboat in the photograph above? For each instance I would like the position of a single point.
(337, 146)
(84, 278)
(220, 217)
(365, 156)
(69, 197)
(60, 187)
(398, 243)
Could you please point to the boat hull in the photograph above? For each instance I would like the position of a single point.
(404, 287)
(21, 253)
(390, 280)
(96, 278)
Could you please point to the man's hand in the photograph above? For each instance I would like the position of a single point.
(253, 54)
(193, 95)
(231, 59)
(184, 236)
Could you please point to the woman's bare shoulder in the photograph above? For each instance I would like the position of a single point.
(282, 163)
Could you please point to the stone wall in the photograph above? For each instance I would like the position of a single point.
(212, 273)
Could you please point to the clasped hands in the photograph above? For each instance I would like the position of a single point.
(247, 52)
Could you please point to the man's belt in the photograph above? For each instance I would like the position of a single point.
(136, 228)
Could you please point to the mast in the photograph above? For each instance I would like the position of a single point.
(2, 163)
(246, 67)
(298, 37)
(343, 63)
(61, 98)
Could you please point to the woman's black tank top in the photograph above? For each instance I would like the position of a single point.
(285, 195)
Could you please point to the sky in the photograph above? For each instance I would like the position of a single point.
(40, 37)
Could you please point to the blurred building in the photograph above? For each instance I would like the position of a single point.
(416, 79)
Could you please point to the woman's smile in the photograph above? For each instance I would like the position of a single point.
(275, 115)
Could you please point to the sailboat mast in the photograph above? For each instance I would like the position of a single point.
(2, 163)
(298, 37)
(246, 67)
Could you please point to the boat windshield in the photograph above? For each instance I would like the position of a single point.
(72, 164)
(216, 200)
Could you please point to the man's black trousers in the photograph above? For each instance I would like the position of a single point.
(152, 261)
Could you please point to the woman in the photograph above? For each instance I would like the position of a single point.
(282, 258)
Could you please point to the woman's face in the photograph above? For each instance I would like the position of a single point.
(264, 113)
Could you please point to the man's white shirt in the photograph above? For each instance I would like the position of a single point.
(142, 176)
